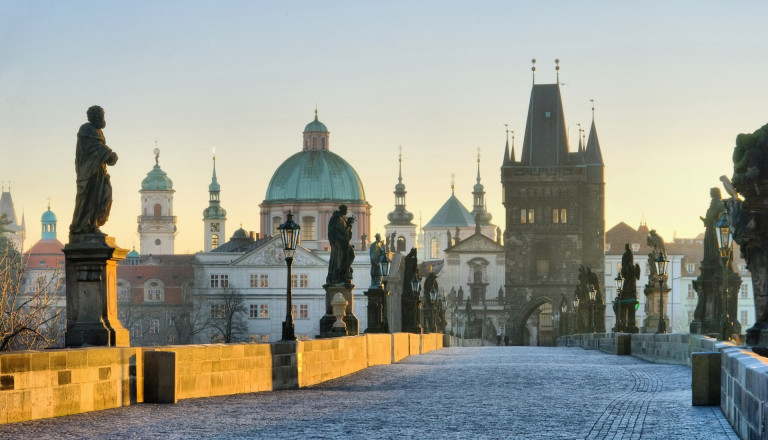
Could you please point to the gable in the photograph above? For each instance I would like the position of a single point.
(271, 254)
(476, 243)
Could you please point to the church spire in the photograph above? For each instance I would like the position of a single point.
(400, 215)
(479, 212)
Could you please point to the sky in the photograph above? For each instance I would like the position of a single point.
(673, 83)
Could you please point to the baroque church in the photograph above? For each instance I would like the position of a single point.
(555, 216)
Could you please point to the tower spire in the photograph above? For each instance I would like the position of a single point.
(533, 70)
(506, 160)
(557, 70)
(453, 182)
(400, 165)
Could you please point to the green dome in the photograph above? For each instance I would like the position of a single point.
(315, 126)
(133, 254)
(157, 180)
(315, 175)
(48, 217)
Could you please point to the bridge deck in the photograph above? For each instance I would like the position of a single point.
(484, 392)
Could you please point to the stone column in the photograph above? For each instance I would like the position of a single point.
(652, 297)
(91, 271)
(377, 310)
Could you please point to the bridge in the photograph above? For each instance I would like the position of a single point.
(455, 392)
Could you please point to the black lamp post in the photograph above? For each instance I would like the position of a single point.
(432, 298)
(619, 280)
(416, 288)
(725, 243)
(384, 266)
(661, 269)
(592, 294)
(576, 312)
(289, 231)
(563, 319)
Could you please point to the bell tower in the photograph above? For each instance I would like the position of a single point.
(157, 224)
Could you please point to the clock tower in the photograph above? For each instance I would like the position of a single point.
(214, 216)
(157, 224)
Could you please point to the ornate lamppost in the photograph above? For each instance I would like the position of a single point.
(725, 244)
(416, 288)
(576, 313)
(433, 299)
(592, 294)
(620, 324)
(564, 319)
(661, 269)
(289, 231)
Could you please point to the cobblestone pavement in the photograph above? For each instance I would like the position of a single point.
(455, 393)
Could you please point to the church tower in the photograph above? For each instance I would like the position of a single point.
(400, 224)
(555, 223)
(214, 216)
(15, 231)
(157, 224)
(479, 209)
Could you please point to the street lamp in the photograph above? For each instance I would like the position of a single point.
(289, 231)
(384, 266)
(564, 318)
(661, 269)
(592, 294)
(619, 280)
(725, 243)
(433, 297)
(576, 311)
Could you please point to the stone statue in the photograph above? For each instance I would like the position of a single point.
(461, 293)
(456, 239)
(657, 248)
(363, 241)
(393, 242)
(630, 271)
(342, 253)
(448, 234)
(376, 251)
(94, 192)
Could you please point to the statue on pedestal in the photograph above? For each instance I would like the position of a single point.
(377, 250)
(342, 253)
(94, 192)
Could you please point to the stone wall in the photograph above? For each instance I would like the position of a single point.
(744, 392)
(52, 383)
(40, 384)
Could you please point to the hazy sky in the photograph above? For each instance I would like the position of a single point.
(673, 84)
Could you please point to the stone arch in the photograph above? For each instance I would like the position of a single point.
(515, 326)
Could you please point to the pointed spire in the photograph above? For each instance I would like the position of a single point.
(557, 69)
(581, 145)
(594, 155)
(506, 160)
(533, 70)
(400, 215)
(400, 165)
(478, 165)
(512, 153)
(453, 183)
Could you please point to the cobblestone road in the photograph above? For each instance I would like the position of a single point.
(460, 393)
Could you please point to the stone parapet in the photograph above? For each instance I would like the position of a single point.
(744, 392)
(52, 383)
(41, 384)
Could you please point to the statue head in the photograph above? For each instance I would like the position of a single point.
(343, 209)
(96, 116)
(378, 236)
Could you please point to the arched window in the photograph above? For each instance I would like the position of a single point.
(154, 291)
(158, 210)
(478, 274)
(401, 244)
(123, 290)
(314, 143)
(434, 248)
(214, 241)
(307, 228)
(276, 221)
(322, 143)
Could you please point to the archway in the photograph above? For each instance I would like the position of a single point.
(533, 324)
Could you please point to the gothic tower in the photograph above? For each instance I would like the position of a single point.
(555, 205)
(214, 216)
(157, 224)
(400, 224)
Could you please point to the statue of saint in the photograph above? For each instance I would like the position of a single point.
(377, 250)
(94, 192)
(342, 253)
(630, 272)
(716, 206)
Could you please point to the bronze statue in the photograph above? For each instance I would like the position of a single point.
(94, 192)
(716, 207)
(376, 251)
(342, 253)
(630, 271)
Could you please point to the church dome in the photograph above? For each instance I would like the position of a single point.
(315, 127)
(48, 217)
(315, 175)
(157, 180)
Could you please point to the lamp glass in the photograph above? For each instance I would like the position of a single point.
(289, 232)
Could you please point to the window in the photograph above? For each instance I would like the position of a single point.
(153, 291)
(276, 221)
(691, 291)
(308, 228)
(264, 337)
(690, 316)
(254, 311)
(744, 318)
(154, 326)
(299, 281)
(264, 311)
(303, 337)
(531, 216)
(169, 339)
(527, 215)
(214, 241)
(254, 338)
(744, 291)
(158, 210)
(264, 280)
(217, 310)
(555, 216)
(563, 215)
(168, 318)
(254, 280)
(434, 248)
(742, 269)
(123, 289)
(300, 311)
(690, 268)
(219, 280)
(136, 330)
(635, 247)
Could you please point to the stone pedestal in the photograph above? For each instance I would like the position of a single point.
(91, 271)
(350, 320)
(411, 307)
(652, 297)
(377, 310)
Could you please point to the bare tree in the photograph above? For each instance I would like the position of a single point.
(29, 317)
(228, 315)
(191, 318)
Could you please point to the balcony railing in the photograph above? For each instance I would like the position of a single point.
(157, 219)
